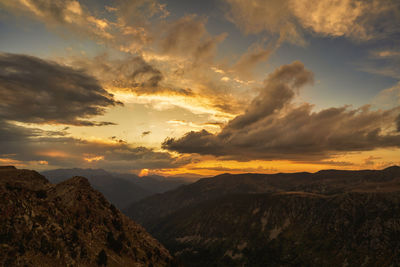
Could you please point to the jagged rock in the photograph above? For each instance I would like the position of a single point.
(69, 224)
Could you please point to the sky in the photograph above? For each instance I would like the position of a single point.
(199, 88)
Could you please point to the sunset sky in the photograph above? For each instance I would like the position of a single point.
(176, 87)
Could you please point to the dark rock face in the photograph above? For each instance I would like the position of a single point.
(328, 218)
(286, 229)
(68, 224)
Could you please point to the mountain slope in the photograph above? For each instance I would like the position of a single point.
(327, 218)
(286, 229)
(68, 224)
(327, 182)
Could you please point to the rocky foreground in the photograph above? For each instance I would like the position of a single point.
(68, 224)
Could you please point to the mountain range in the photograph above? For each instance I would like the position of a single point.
(120, 189)
(327, 218)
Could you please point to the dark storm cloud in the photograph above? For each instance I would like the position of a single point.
(37, 91)
(274, 128)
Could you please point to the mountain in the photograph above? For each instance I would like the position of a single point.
(327, 218)
(68, 224)
(323, 182)
(155, 183)
(286, 229)
(119, 189)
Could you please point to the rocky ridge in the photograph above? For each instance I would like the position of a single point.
(68, 224)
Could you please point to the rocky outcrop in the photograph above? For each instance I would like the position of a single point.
(69, 224)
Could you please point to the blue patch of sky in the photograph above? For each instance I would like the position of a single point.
(28, 36)
(334, 61)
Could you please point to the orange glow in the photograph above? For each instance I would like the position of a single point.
(209, 166)
(144, 172)
(92, 158)
(7, 161)
(53, 154)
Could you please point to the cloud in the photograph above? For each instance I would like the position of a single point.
(257, 16)
(188, 36)
(388, 98)
(146, 133)
(332, 18)
(131, 74)
(280, 88)
(14, 133)
(138, 12)
(43, 92)
(124, 26)
(274, 128)
(33, 90)
(398, 123)
(384, 62)
(357, 19)
(69, 13)
(167, 57)
(27, 145)
(249, 60)
(386, 53)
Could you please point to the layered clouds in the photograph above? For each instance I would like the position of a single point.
(273, 127)
(164, 62)
(37, 92)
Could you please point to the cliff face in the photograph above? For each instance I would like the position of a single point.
(286, 229)
(69, 224)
